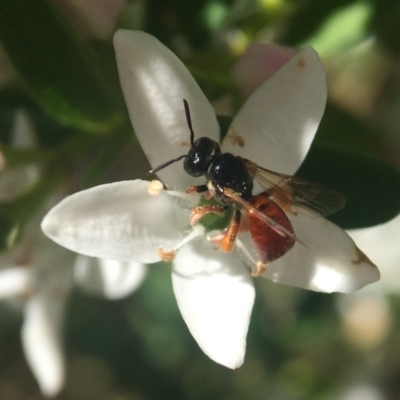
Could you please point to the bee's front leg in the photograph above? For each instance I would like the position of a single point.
(199, 212)
(200, 189)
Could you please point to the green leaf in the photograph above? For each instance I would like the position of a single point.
(56, 67)
(343, 29)
(307, 18)
(371, 187)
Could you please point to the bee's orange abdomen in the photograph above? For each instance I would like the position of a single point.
(270, 245)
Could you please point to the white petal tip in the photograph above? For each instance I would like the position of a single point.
(233, 364)
(363, 272)
(215, 295)
(331, 262)
(368, 272)
(46, 226)
(41, 341)
(230, 357)
(117, 221)
(154, 83)
(280, 118)
(50, 227)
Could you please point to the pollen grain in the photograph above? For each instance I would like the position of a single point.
(155, 188)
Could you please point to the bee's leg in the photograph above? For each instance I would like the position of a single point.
(227, 238)
(200, 189)
(200, 211)
(261, 268)
(197, 189)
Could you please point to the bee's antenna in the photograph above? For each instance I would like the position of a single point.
(189, 121)
(162, 166)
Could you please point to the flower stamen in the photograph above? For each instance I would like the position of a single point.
(155, 187)
(192, 198)
(243, 248)
(169, 255)
(261, 266)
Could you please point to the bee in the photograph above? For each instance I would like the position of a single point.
(230, 181)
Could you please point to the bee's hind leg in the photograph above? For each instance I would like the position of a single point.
(261, 268)
(227, 238)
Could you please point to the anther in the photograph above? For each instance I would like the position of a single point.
(155, 188)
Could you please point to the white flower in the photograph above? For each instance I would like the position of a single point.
(14, 181)
(382, 245)
(108, 278)
(122, 221)
(40, 275)
(40, 281)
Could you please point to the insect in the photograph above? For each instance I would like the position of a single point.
(230, 180)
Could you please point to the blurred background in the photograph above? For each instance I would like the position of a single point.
(64, 127)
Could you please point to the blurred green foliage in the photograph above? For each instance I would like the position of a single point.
(56, 68)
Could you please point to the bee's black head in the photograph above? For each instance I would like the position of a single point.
(199, 157)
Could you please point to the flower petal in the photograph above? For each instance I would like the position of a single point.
(279, 120)
(14, 281)
(109, 278)
(155, 82)
(14, 181)
(23, 135)
(215, 295)
(325, 259)
(118, 221)
(383, 249)
(41, 339)
(331, 263)
(44, 315)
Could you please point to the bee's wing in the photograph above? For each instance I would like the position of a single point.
(313, 198)
(297, 194)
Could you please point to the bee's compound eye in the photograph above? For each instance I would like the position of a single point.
(198, 159)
